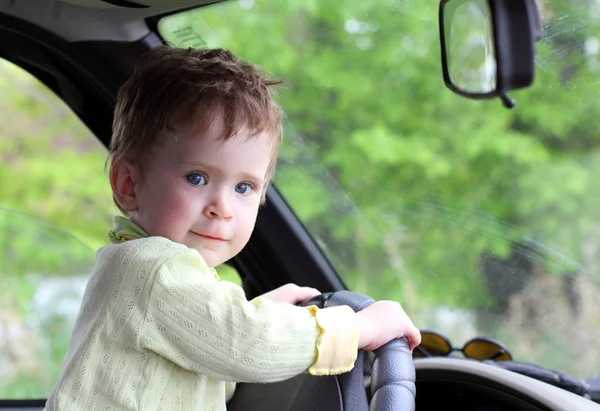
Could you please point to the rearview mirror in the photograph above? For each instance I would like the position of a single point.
(488, 46)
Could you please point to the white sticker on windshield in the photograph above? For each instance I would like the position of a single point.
(186, 36)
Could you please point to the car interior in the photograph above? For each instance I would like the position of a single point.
(83, 50)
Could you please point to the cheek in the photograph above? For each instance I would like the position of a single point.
(182, 204)
(169, 210)
(247, 219)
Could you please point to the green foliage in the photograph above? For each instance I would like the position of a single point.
(364, 97)
(402, 183)
(55, 210)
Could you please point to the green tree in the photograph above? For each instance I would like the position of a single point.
(404, 184)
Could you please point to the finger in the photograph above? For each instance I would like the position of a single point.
(306, 293)
(414, 337)
(313, 292)
(303, 294)
(411, 331)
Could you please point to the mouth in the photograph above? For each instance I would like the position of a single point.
(209, 237)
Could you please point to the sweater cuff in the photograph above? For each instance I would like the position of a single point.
(337, 346)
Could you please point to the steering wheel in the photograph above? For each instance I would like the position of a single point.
(392, 378)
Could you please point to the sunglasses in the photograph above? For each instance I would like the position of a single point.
(434, 344)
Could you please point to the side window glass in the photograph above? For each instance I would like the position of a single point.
(55, 210)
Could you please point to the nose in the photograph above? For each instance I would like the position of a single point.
(219, 206)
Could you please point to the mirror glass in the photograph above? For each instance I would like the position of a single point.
(469, 43)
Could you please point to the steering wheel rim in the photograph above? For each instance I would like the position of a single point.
(392, 378)
(393, 371)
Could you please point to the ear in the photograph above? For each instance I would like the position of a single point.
(123, 180)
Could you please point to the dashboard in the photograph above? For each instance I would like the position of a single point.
(458, 384)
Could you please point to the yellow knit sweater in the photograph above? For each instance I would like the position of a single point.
(157, 330)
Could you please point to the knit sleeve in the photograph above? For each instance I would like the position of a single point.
(209, 327)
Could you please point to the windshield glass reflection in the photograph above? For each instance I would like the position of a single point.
(480, 220)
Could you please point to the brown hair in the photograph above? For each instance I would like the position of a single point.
(172, 87)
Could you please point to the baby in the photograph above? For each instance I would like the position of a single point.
(194, 146)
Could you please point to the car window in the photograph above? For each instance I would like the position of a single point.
(480, 220)
(55, 211)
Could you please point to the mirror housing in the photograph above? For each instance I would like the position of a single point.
(488, 46)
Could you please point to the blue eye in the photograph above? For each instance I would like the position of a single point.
(196, 179)
(243, 188)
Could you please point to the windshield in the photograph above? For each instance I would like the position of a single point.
(478, 219)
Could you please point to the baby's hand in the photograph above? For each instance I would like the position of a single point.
(291, 294)
(384, 321)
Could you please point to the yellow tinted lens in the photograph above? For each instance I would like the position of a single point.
(485, 350)
(434, 344)
(418, 352)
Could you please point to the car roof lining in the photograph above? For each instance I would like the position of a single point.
(93, 20)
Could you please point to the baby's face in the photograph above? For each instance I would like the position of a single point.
(204, 192)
